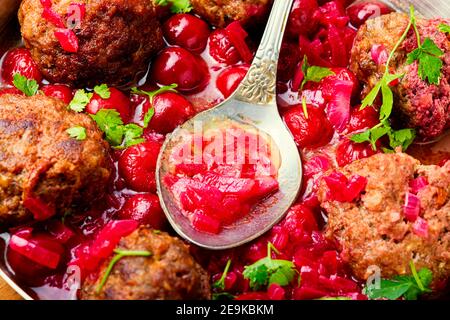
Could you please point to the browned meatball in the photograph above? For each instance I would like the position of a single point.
(170, 273)
(417, 103)
(40, 161)
(116, 39)
(221, 12)
(374, 231)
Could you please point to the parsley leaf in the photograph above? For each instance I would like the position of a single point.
(444, 28)
(109, 121)
(103, 91)
(313, 73)
(28, 86)
(177, 6)
(268, 271)
(132, 135)
(78, 133)
(427, 54)
(408, 287)
(80, 100)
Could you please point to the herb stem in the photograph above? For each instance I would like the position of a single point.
(119, 255)
(221, 282)
(416, 276)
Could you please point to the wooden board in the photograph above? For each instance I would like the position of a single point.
(7, 293)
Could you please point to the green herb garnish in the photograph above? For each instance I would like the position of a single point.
(103, 91)
(176, 6)
(408, 287)
(400, 138)
(445, 28)
(28, 86)
(78, 133)
(268, 271)
(220, 284)
(80, 100)
(427, 54)
(119, 255)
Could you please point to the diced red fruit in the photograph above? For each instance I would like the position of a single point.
(379, 54)
(237, 36)
(67, 39)
(343, 189)
(276, 292)
(411, 208)
(312, 132)
(336, 42)
(421, 227)
(418, 184)
(117, 101)
(59, 91)
(50, 15)
(137, 166)
(252, 296)
(176, 65)
(19, 60)
(59, 231)
(300, 219)
(235, 186)
(348, 151)
(230, 78)
(308, 293)
(316, 165)
(205, 223)
(145, 209)
(222, 49)
(332, 13)
(171, 110)
(361, 11)
(362, 119)
(187, 31)
(302, 19)
(40, 210)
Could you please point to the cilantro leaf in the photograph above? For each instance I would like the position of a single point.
(28, 86)
(80, 100)
(313, 73)
(132, 135)
(402, 138)
(268, 271)
(444, 28)
(177, 6)
(109, 121)
(78, 133)
(103, 91)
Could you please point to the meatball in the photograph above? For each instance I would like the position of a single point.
(117, 39)
(221, 12)
(169, 273)
(417, 103)
(42, 168)
(374, 231)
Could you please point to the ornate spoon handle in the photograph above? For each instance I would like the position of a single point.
(258, 87)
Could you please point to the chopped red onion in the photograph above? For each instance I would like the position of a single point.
(418, 184)
(411, 209)
(420, 227)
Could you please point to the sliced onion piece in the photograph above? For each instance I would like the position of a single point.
(411, 209)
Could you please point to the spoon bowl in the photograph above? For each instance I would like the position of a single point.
(252, 105)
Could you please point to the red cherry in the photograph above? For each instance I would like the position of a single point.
(137, 166)
(145, 209)
(187, 31)
(348, 151)
(179, 66)
(362, 119)
(360, 12)
(222, 49)
(19, 60)
(230, 78)
(171, 110)
(316, 131)
(117, 101)
(60, 91)
(302, 19)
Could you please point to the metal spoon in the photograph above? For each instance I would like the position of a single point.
(254, 104)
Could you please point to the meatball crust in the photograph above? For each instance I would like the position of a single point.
(170, 273)
(117, 39)
(417, 103)
(374, 231)
(39, 160)
(221, 12)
